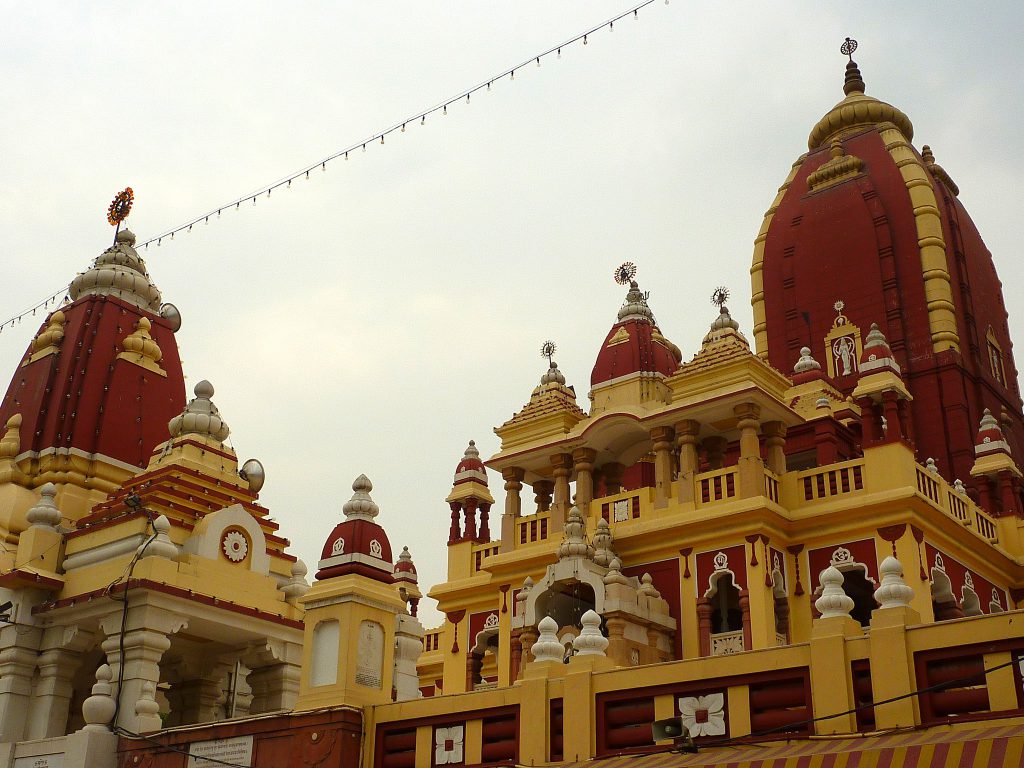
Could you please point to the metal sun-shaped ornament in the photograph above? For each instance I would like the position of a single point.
(548, 349)
(720, 296)
(839, 306)
(120, 207)
(625, 272)
(848, 47)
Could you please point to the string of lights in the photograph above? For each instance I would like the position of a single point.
(400, 126)
(378, 138)
(53, 298)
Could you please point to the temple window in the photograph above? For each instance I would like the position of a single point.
(861, 590)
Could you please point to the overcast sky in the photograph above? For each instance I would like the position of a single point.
(380, 315)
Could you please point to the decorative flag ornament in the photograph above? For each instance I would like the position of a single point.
(625, 272)
(720, 296)
(119, 208)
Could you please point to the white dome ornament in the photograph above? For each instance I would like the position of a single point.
(98, 709)
(894, 591)
(45, 513)
(834, 602)
(160, 545)
(590, 642)
(235, 546)
(547, 647)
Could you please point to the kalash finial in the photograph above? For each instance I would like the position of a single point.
(854, 83)
(119, 209)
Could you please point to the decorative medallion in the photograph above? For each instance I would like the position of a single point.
(338, 547)
(491, 622)
(235, 546)
(375, 548)
(997, 598)
(448, 745)
(634, 657)
(940, 564)
(548, 349)
(848, 47)
(841, 556)
(968, 580)
(721, 561)
(120, 207)
(720, 296)
(703, 715)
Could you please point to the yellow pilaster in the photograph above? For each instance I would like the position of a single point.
(738, 698)
(831, 681)
(474, 742)
(892, 667)
(424, 746)
(1002, 688)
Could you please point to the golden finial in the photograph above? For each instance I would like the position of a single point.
(854, 83)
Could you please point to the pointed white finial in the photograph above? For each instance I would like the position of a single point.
(161, 544)
(603, 543)
(615, 575)
(98, 709)
(361, 506)
(894, 591)
(834, 602)
(547, 647)
(590, 642)
(297, 585)
(45, 513)
(647, 586)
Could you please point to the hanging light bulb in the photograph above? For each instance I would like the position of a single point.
(584, 39)
(423, 120)
(382, 138)
(538, 61)
(559, 53)
(403, 127)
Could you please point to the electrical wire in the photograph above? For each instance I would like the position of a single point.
(746, 740)
(377, 137)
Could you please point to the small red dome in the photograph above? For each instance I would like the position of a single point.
(471, 468)
(405, 569)
(357, 545)
(634, 344)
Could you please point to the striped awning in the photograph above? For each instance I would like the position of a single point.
(995, 747)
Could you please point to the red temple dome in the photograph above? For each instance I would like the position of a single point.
(358, 545)
(405, 568)
(634, 344)
(470, 468)
(909, 257)
(102, 376)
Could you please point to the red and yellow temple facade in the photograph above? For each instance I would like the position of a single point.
(805, 550)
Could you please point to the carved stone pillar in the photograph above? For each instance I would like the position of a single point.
(704, 613)
(61, 654)
(527, 637)
(455, 531)
(750, 465)
(583, 460)
(826, 443)
(469, 508)
(890, 408)
(197, 692)
(1008, 493)
(870, 424)
(617, 650)
(687, 436)
(485, 525)
(143, 650)
(775, 442)
(274, 678)
(562, 464)
(17, 664)
(714, 451)
(516, 657)
(612, 473)
(662, 440)
(748, 643)
(513, 477)
(906, 423)
(474, 665)
(543, 489)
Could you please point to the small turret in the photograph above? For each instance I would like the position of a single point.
(469, 494)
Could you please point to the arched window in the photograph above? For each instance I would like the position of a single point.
(725, 600)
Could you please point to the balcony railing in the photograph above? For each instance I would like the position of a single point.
(725, 643)
(717, 485)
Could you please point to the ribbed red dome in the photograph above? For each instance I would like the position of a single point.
(638, 351)
(357, 545)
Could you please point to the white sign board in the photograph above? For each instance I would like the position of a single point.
(237, 750)
(39, 761)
